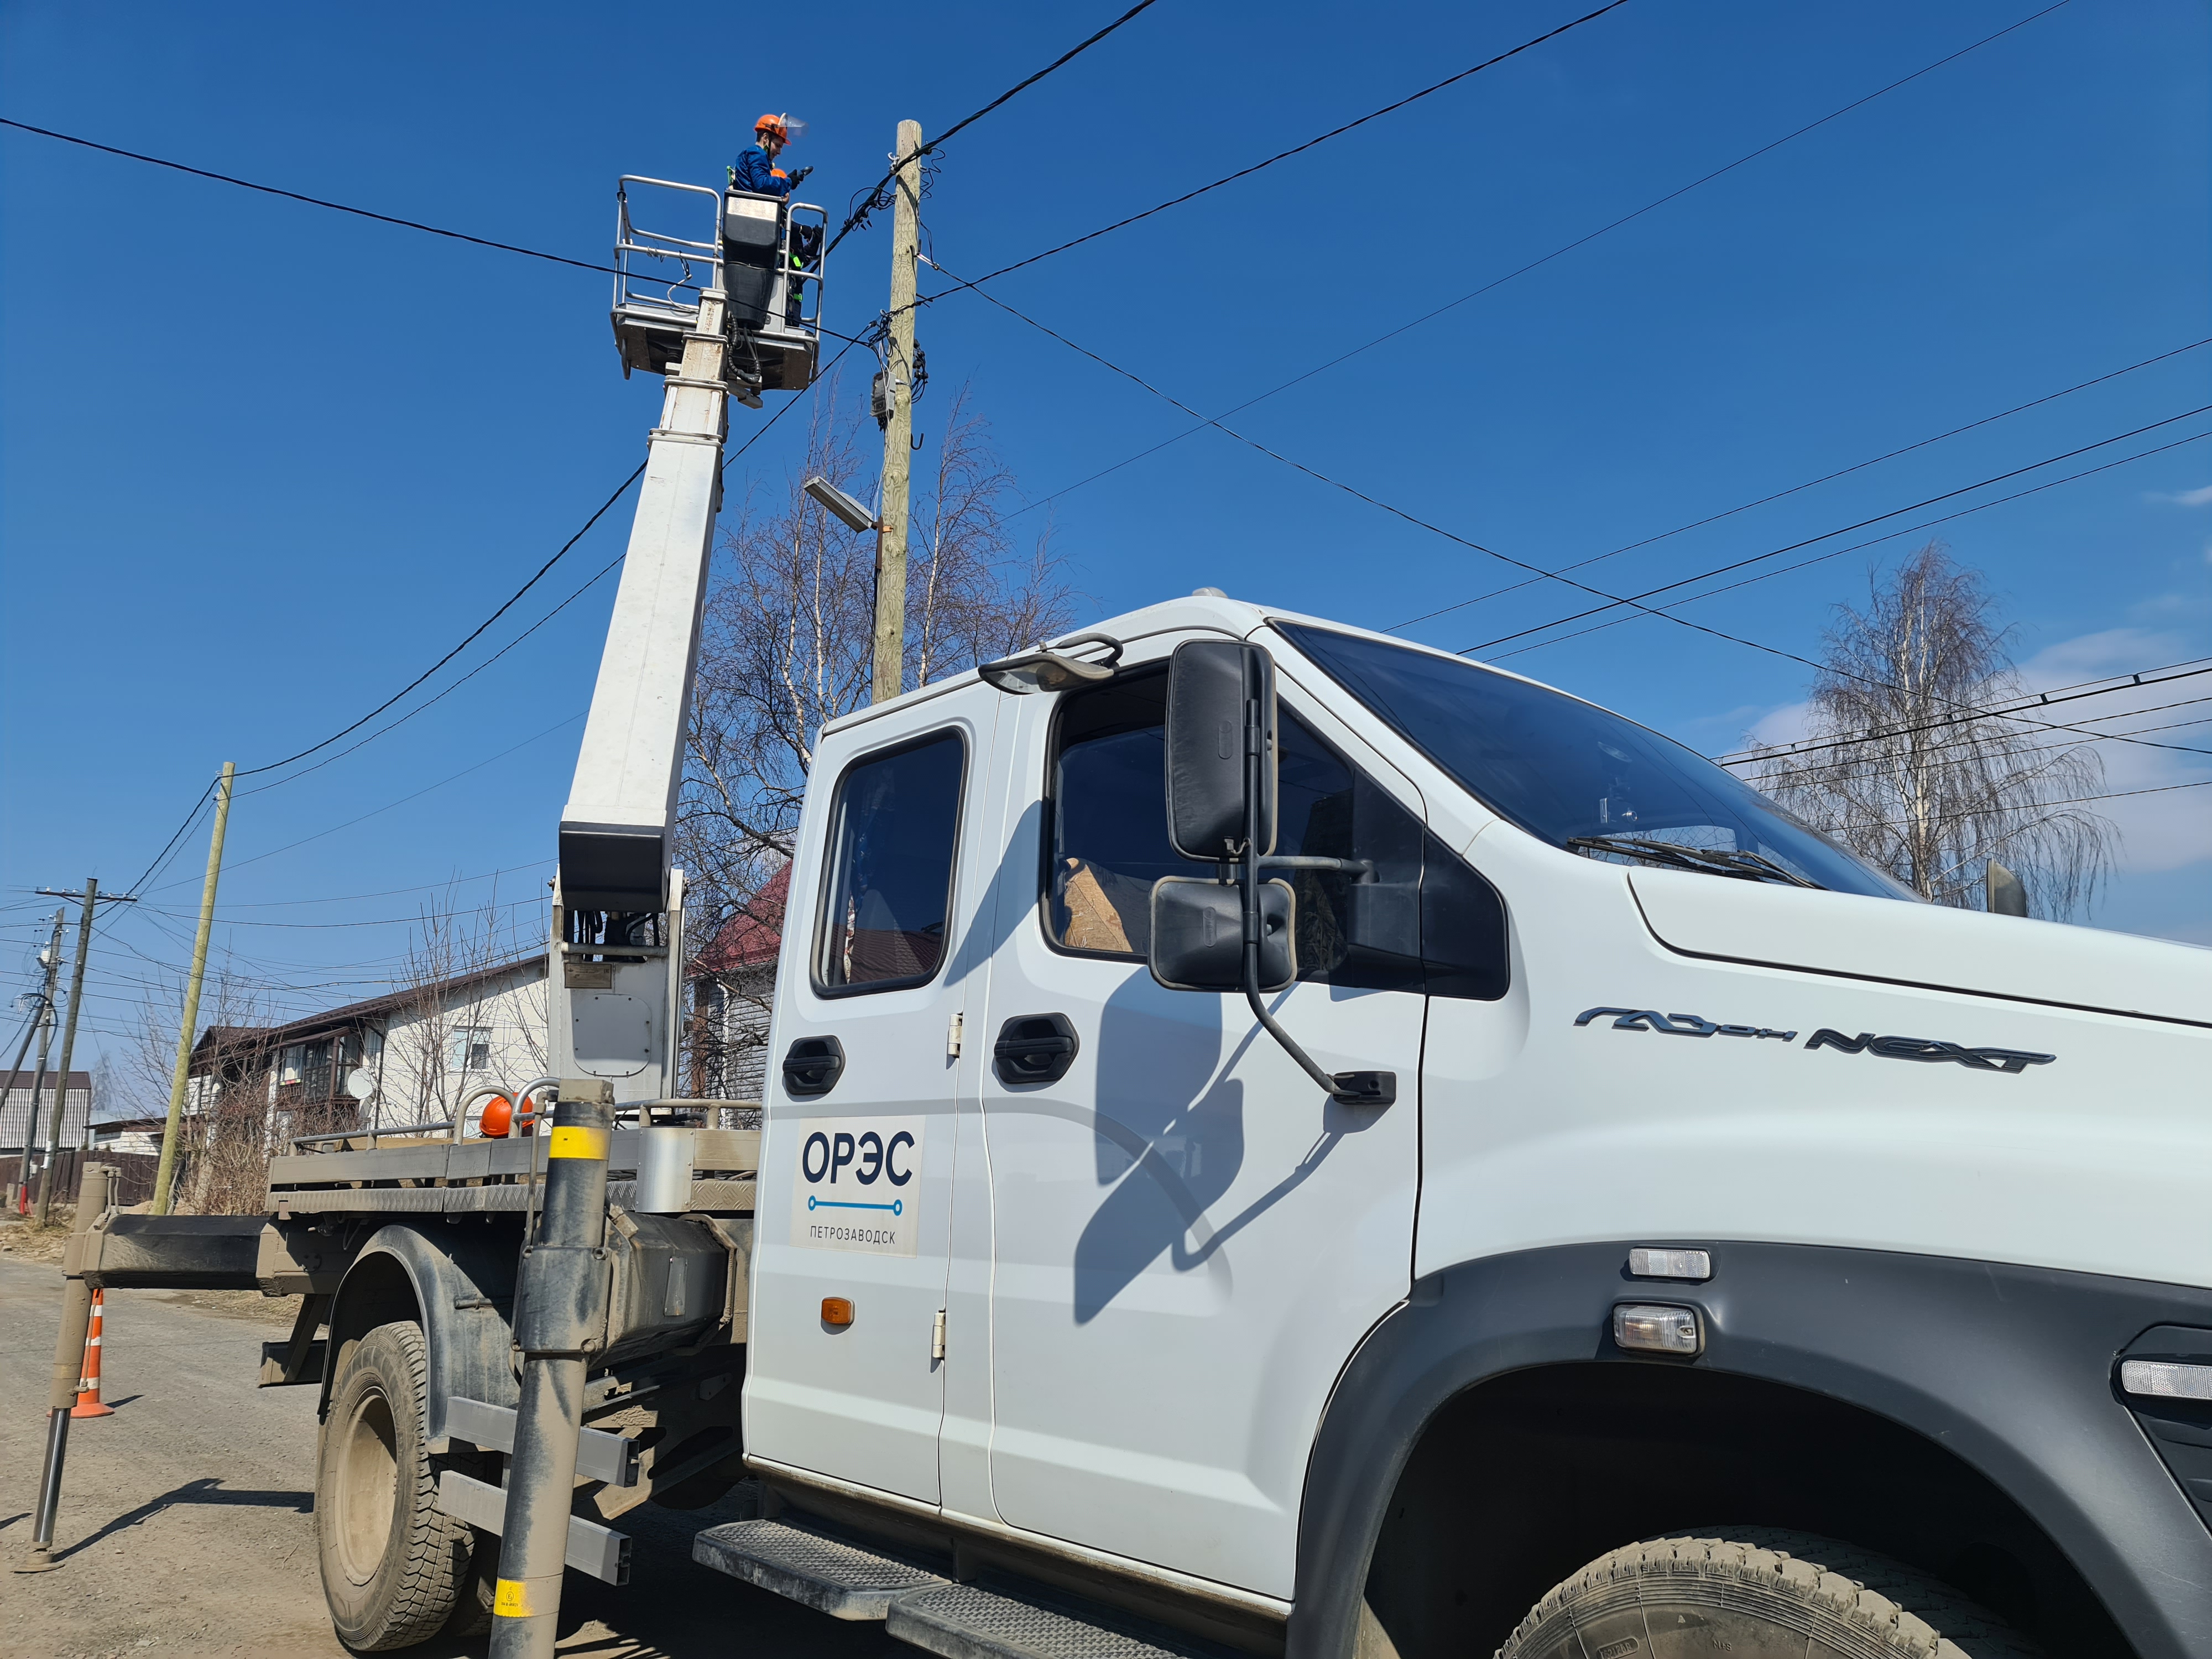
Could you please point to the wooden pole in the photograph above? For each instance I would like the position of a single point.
(898, 396)
(178, 1080)
(68, 1051)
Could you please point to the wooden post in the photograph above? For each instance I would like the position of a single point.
(898, 395)
(167, 1172)
(69, 1052)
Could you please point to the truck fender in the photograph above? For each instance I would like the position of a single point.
(2009, 1368)
(459, 1285)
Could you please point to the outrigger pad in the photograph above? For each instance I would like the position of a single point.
(173, 1253)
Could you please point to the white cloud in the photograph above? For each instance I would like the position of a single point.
(2183, 497)
(2092, 656)
(1784, 725)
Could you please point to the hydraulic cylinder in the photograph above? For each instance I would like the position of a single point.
(69, 1366)
(560, 1323)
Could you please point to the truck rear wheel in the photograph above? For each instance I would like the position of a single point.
(392, 1565)
(1756, 1593)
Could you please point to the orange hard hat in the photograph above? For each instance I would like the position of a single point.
(498, 1118)
(783, 126)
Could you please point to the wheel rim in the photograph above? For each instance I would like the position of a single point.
(369, 1487)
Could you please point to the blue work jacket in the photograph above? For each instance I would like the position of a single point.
(753, 170)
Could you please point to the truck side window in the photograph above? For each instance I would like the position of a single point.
(1109, 817)
(893, 828)
(1108, 844)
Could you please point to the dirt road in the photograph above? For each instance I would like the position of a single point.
(187, 1523)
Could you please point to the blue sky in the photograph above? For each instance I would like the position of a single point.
(261, 464)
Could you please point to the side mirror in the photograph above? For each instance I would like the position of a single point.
(1212, 684)
(1198, 934)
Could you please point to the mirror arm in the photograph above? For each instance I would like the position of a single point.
(1357, 1088)
(1361, 870)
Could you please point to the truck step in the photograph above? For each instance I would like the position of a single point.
(815, 1568)
(967, 1621)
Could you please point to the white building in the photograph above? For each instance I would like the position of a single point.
(407, 1057)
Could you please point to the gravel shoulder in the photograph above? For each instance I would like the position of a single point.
(187, 1523)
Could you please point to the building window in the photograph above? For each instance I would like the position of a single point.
(468, 1049)
(306, 1066)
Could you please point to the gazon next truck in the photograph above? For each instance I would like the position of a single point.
(1277, 1141)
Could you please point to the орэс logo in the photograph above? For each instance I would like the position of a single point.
(1889, 1048)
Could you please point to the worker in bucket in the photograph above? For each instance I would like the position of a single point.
(755, 169)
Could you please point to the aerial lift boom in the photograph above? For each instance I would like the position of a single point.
(752, 323)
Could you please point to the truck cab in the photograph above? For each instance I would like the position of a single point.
(1723, 1191)
(1277, 1141)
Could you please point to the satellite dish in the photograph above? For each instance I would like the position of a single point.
(359, 1082)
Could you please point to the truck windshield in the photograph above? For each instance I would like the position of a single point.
(1572, 774)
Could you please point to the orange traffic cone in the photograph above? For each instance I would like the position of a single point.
(88, 1386)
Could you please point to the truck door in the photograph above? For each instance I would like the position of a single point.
(1189, 1237)
(863, 1085)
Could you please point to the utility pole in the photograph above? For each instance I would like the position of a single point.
(50, 958)
(898, 400)
(91, 896)
(167, 1172)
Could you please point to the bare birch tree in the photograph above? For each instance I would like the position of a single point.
(226, 1138)
(1916, 790)
(447, 988)
(788, 644)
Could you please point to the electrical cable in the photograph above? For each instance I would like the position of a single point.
(510, 603)
(2063, 694)
(1536, 569)
(1829, 478)
(311, 200)
(1298, 150)
(858, 217)
(236, 864)
(1613, 600)
(1510, 276)
(169, 847)
(1876, 541)
(1843, 766)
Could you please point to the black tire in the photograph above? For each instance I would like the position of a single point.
(1758, 1593)
(392, 1565)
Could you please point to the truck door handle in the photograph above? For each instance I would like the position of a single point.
(1035, 1049)
(811, 1066)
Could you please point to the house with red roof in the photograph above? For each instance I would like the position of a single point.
(733, 988)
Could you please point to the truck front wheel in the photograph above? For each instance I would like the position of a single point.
(1756, 1593)
(392, 1565)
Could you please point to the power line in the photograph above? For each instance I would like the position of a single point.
(235, 864)
(170, 845)
(1829, 478)
(508, 604)
(540, 253)
(576, 593)
(2064, 694)
(876, 201)
(1522, 271)
(1837, 553)
(1969, 755)
(1295, 149)
(311, 200)
(168, 848)
(1613, 601)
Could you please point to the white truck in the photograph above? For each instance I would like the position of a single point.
(1281, 1141)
